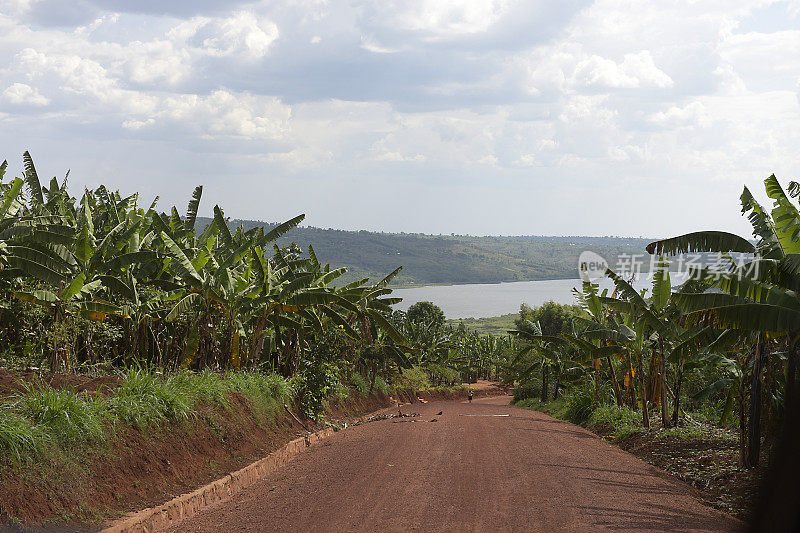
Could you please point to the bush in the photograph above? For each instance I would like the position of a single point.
(66, 415)
(530, 389)
(316, 381)
(359, 383)
(415, 379)
(578, 404)
(621, 421)
(381, 385)
(442, 375)
(530, 403)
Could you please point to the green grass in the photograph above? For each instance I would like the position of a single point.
(359, 383)
(495, 325)
(66, 416)
(528, 390)
(266, 392)
(42, 419)
(205, 387)
(578, 405)
(621, 421)
(533, 403)
(20, 437)
(143, 398)
(381, 385)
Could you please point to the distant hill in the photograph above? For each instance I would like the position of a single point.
(446, 259)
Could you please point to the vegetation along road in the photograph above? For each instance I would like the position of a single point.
(484, 466)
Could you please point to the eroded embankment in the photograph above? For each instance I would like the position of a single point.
(138, 468)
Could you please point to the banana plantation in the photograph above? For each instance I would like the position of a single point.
(723, 342)
(105, 282)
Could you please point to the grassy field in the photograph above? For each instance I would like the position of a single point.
(496, 325)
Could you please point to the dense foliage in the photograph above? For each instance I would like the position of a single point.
(449, 353)
(99, 283)
(102, 281)
(722, 345)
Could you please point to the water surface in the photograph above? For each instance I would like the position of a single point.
(479, 300)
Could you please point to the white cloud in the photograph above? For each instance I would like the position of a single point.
(242, 34)
(626, 153)
(222, 114)
(692, 114)
(471, 96)
(641, 66)
(526, 160)
(636, 70)
(367, 43)
(157, 61)
(447, 18)
(22, 94)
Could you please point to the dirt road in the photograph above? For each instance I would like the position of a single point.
(480, 467)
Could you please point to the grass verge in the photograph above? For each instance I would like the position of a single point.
(41, 418)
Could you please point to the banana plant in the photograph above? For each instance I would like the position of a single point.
(757, 295)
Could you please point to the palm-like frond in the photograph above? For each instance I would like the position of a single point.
(701, 241)
(32, 180)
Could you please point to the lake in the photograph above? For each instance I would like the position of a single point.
(481, 300)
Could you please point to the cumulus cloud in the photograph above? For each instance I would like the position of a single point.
(504, 101)
(22, 94)
(219, 114)
(241, 35)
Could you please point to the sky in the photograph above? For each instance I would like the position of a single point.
(489, 117)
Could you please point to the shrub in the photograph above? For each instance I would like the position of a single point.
(414, 378)
(578, 404)
(529, 403)
(621, 421)
(66, 415)
(315, 382)
(442, 375)
(530, 389)
(381, 385)
(359, 383)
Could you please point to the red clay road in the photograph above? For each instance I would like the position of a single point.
(468, 471)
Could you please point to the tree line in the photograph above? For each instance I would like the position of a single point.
(105, 281)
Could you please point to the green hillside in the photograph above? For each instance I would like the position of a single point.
(445, 259)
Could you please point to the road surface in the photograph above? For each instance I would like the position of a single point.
(484, 466)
